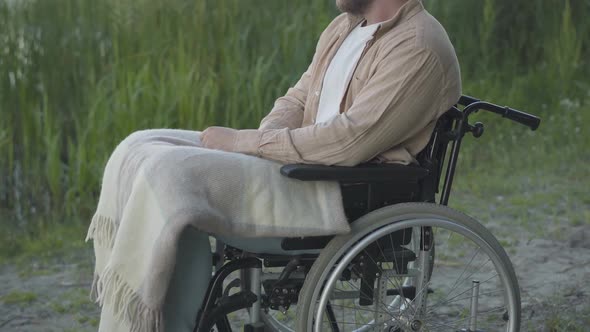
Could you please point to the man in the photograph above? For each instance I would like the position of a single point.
(382, 73)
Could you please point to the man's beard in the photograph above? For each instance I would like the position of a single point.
(354, 7)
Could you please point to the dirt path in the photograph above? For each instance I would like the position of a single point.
(553, 275)
(49, 296)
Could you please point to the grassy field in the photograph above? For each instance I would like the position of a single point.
(78, 76)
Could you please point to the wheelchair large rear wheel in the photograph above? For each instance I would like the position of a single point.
(365, 281)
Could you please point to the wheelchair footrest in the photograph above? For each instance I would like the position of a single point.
(240, 300)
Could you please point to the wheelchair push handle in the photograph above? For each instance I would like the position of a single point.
(526, 119)
(472, 104)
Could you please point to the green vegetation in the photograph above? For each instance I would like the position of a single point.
(76, 303)
(21, 298)
(563, 313)
(76, 77)
(41, 241)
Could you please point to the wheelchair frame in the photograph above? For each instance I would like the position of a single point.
(369, 187)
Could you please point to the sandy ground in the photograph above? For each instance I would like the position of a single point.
(553, 277)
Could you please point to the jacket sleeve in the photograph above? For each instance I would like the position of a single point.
(399, 99)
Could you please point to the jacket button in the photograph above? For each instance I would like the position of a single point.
(317, 93)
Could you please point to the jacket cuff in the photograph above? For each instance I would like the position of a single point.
(248, 141)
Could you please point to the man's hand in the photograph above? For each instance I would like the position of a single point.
(219, 138)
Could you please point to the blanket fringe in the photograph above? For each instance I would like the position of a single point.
(102, 230)
(111, 290)
(94, 288)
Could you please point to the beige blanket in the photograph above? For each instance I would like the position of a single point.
(157, 182)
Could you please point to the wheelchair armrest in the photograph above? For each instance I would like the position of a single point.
(361, 173)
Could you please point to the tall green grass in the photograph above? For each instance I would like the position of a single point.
(76, 77)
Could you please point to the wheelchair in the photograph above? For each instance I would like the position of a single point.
(409, 263)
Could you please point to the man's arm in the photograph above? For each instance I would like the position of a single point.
(399, 100)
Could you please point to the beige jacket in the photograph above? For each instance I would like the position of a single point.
(408, 75)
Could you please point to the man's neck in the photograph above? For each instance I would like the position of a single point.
(383, 10)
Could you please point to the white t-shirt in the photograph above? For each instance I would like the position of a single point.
(340, 71)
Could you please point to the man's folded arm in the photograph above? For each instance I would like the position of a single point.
(400, 99)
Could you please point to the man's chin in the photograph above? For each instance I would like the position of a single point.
(354, 7)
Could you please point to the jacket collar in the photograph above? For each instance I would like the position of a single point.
(407, 11)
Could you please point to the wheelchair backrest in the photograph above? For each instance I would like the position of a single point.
(434, 154)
